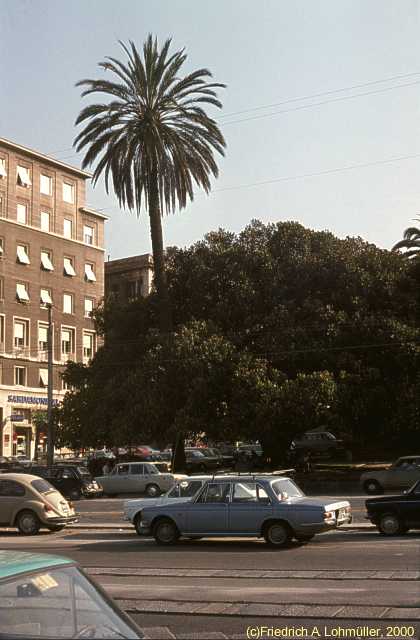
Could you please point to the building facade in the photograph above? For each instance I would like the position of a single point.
(127, 279)
(51, 253)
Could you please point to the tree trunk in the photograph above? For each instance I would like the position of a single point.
(155, 215)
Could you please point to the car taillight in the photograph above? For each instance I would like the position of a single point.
(328, 515)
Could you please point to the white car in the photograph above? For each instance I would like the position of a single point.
(185, 489)
(136, 477)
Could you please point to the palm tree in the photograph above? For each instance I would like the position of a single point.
(410, 242)
(154, 138)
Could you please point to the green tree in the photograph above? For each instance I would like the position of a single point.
(153, 138)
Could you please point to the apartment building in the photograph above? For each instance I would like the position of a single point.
(127, 279)
(51, 253)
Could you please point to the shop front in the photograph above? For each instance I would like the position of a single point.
(21, 414)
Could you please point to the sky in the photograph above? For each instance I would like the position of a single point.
(338, 150)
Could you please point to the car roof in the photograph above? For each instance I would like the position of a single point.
(16, 562)
(26, 478)
(409, 457)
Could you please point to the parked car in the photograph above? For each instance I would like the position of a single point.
(394, 515)
(199, 461)
(136, 477)
(317, 442)
(45, 596)
(400, 475)
(73, 481)
(266, 506)
(182, 491)
(29, 503)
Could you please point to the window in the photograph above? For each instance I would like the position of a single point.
(11, 488)
(88, 234)
(22, 292)
(133, 288)
(1, 288)
(249, 492)
(3, 172)
(89, 273)
(23, 178)
(68, 228)
(45, 221)
(69, 267)
(21, 333)
(21, 213)
(88, 345)
(45, 297)
(43, 338)
(67, 341)
(23, 254)
(2, 204)
(88, 307)
(43, 377)
(1, 247)
(68, 192)
(20, 376)
(45, 186)
(217, 492)
(137, 469)
(46, 263)
(67, 303)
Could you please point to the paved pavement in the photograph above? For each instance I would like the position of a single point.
(219, 588)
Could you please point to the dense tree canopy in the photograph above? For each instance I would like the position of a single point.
(279, 329)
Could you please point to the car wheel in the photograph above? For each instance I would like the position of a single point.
(277, 534)
(75, 494)
(57, 527)
(153, 490)
(165, 532)
(372, 487)
(28, 523)
(390, 525)
(304, 538)
(137, 523)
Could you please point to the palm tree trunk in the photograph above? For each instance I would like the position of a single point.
(165, 315)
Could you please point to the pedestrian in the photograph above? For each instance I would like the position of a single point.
(106, 469)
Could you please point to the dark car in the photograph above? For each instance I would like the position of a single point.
(197, 461)
(71, 480)
(394, 515)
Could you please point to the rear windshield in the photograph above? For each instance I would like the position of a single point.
(83, 472)
(42, 486)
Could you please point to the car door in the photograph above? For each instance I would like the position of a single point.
(119, 480)
(249, 507)
(410, 507)
(138, 477)
(11, 493)
(209, 513)
(400, 476)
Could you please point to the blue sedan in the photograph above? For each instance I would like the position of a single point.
(266, 506)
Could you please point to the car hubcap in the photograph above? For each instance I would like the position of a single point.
(390, 524)
(165, 532)
(372, 487)
(277, 534)
(27, 523)
(152, 491)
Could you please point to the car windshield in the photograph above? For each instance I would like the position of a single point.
(185, 489)
(83, 472)
(286, 487)
(150, 468)
(195, 454)
(42, 486)
(59, 603)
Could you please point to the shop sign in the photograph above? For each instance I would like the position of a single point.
(30, 400)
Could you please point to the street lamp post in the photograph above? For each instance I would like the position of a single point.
(50, 439)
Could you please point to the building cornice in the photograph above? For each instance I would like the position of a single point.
(41, 156)
(93, 212)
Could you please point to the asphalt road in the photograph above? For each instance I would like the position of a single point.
(219, 588)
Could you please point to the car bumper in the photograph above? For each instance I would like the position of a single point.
(58, 520)
(95, 493)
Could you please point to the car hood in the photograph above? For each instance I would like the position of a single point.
(143, 503)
